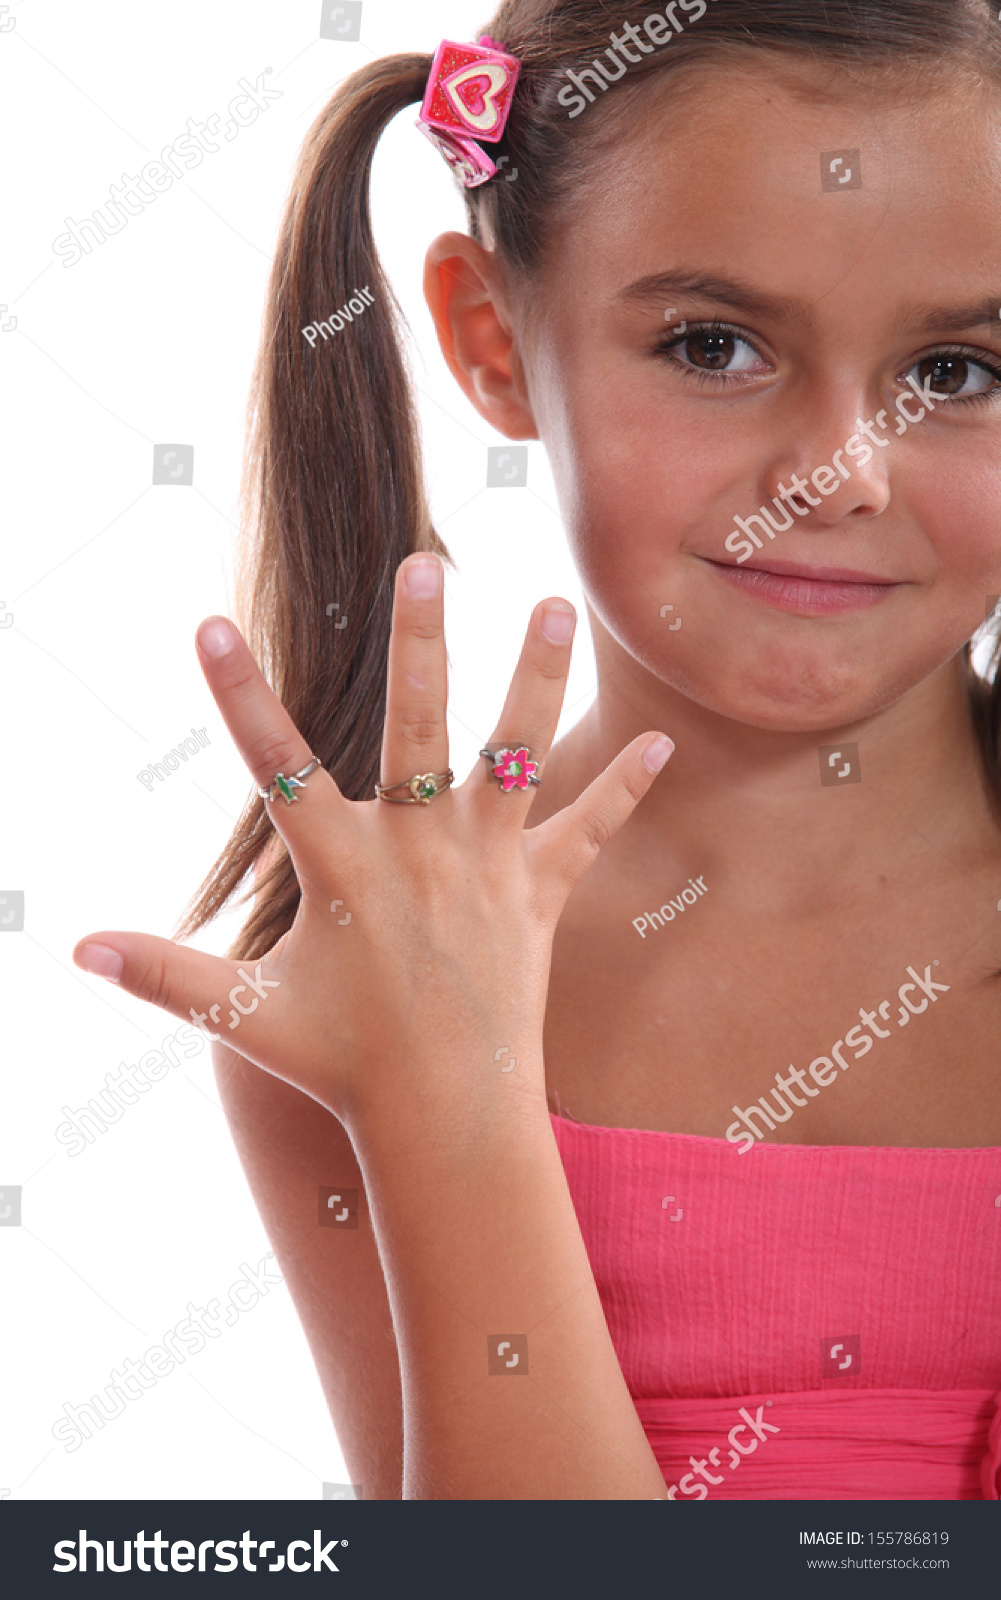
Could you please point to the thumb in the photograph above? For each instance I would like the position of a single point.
(212, 992)
(571, 839)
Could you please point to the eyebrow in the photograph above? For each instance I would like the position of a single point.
(657, 289)
(953, 319)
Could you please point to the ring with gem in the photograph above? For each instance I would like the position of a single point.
(422, 788)
(514, 768)
(286, 786)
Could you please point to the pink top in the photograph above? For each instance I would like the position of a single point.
(818, 1322)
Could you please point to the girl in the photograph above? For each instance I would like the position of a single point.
(702, 1144)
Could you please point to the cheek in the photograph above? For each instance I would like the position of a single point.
(632, 479)
(640, 472)
(956, 505)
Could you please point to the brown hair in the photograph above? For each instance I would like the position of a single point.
(333, 492)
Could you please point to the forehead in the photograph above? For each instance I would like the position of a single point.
(736, 169)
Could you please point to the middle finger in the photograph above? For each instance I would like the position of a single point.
(415, 739)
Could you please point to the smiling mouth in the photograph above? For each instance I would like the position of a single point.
(816, 591)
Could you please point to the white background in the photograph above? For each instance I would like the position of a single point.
(151, 338)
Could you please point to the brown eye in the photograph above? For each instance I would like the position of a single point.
(713, 352)
(944, 374)
(956, 375)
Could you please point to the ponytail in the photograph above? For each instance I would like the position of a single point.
(333, 493)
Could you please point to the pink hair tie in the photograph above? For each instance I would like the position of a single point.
(468, 99)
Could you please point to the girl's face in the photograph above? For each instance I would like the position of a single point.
(726, 204)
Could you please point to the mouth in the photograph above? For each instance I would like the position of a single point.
(811, 591)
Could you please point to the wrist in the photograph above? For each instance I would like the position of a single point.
(458, 1102)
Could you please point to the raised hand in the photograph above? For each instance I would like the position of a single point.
(424, 932)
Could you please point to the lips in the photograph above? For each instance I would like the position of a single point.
(817, 591)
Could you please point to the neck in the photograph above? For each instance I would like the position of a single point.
(747, 803)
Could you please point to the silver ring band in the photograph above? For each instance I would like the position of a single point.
(286, 786)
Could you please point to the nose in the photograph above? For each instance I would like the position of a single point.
(840, 465)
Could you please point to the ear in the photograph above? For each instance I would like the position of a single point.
(464, 292)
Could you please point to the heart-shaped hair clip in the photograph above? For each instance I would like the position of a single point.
(468, 99)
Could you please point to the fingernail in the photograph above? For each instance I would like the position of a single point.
(422, 579)
(216, 638)
(102, 961)
(657, 751)
(558, 623)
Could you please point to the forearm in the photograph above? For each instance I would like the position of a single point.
(289, 1146)
(479, 1243)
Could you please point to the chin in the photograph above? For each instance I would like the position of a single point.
(788, 692)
